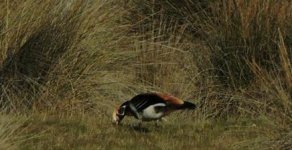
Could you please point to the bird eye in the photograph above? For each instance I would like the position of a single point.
(121, 111)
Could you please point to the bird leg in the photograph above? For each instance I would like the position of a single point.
(156, 122)
(140, 123)
(163, 119)
(159, 121)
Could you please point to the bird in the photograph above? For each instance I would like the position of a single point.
(150, 107)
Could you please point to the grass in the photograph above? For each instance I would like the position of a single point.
(96, 132)
(12, 132)
(64, 66)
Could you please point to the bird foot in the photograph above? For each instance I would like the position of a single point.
(163, 119)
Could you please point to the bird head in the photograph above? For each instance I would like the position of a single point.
(119, 113)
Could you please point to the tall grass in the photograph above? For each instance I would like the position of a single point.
(241, 51)
(11, 132)
(276, 86)
(237, 31)
(54, 51)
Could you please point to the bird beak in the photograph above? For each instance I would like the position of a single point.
(116, 118)
(115, 122)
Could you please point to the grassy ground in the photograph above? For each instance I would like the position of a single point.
(96, 132)
(66, 64)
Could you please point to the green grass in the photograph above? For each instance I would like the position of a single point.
(97, 132)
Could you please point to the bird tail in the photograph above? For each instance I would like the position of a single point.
(188, 105)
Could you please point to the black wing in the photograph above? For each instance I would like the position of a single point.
(142, 101)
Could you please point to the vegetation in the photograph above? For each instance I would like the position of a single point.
(64, 66)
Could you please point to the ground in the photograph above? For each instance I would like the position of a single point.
(178, 132)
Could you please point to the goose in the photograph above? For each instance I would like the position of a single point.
(150, 106)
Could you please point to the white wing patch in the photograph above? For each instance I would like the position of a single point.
(149, 113)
